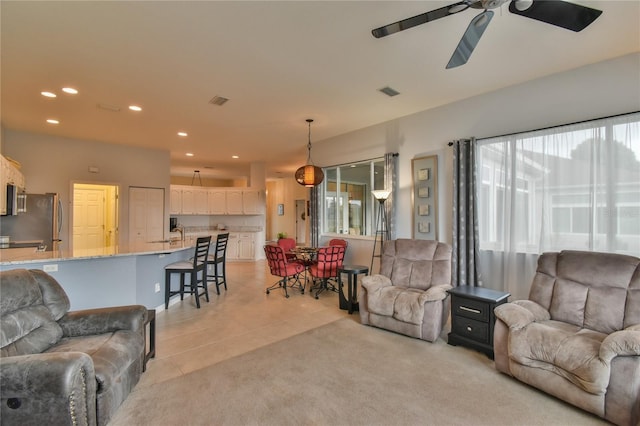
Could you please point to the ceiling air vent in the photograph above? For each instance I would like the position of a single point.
(108, 107)
(218, 100)
(389, 91)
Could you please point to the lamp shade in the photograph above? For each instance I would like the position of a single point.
(381, 194)
(309, 175)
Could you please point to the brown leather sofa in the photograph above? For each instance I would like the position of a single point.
(409, 295)
(59, 367)
(577, 337)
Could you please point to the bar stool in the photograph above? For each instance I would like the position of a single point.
(197, 265)
(219, 256)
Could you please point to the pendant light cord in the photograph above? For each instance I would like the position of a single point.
(309, 120)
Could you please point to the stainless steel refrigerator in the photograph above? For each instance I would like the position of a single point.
(42, 222)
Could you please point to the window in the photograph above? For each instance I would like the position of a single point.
(569, 187)
(348, 206)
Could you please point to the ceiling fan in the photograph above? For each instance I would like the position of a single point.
(563, 14)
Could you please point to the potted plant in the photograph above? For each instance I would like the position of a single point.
(282, 235)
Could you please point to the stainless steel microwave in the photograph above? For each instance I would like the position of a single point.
(16, 200)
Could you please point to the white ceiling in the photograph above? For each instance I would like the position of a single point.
(279, 63)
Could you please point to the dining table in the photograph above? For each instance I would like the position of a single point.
(307, 257)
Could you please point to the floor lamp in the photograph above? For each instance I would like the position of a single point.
(382, 226)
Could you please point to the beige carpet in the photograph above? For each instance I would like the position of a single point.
(347, 374)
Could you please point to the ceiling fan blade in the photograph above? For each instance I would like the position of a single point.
(420, 19)
(563, 14)
(470, 39)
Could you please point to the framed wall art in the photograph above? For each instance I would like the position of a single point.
(424, 197)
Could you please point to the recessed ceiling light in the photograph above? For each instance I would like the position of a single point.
(48, 94)
(52, 121)
(135, 108)
(182, 134)
(70, 90)
(234, 156)
(189, 154)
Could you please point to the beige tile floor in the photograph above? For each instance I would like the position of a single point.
(239, 320)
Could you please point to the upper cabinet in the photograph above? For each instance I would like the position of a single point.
(252, 202)
(9, 175)
(216, 201)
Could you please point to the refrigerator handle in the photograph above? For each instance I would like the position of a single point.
(59, 217)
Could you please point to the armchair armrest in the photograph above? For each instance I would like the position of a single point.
(48, 388)
(435, 293)
(373, 283)
(621, 343)
(518, 314)
(103, 320)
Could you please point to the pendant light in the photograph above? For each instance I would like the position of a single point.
(309, 175)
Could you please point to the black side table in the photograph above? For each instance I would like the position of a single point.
(350, 303)
(472, 317)
(151, 321)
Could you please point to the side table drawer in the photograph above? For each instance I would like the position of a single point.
(472, 309)
(476, 330)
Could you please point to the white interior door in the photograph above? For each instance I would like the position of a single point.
(88, 218)
(146, 214)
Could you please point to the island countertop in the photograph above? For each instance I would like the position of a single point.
(31, 255)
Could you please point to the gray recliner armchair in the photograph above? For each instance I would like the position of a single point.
(409, 295)
(577, 337)
(59, 367)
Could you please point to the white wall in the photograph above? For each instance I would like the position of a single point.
(52, 164)
(598, 90)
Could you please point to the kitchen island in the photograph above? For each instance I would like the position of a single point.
(94, 278)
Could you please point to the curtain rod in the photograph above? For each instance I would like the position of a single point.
(555, 127)
(395, 154)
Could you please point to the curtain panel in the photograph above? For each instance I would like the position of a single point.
(314, 212)
(572, 187)
(465, 218)
(391, 182)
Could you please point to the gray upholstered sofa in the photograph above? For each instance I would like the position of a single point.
(577, 337)
(409, 295)
(59, 367)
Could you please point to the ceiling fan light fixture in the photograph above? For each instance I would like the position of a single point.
(522, 5)
(309, 175)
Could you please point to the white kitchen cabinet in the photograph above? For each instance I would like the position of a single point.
(201, 197)
(252, 202)
(241, 246)
(9, 175)
(217, 200)
(196, 200)
(246, 246)
(234, 202)
(188, 201)
(232, 246)
(175, 200)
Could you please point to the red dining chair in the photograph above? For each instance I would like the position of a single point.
(288, 244)
(329, 260)
(281, 267)
(338, 242)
